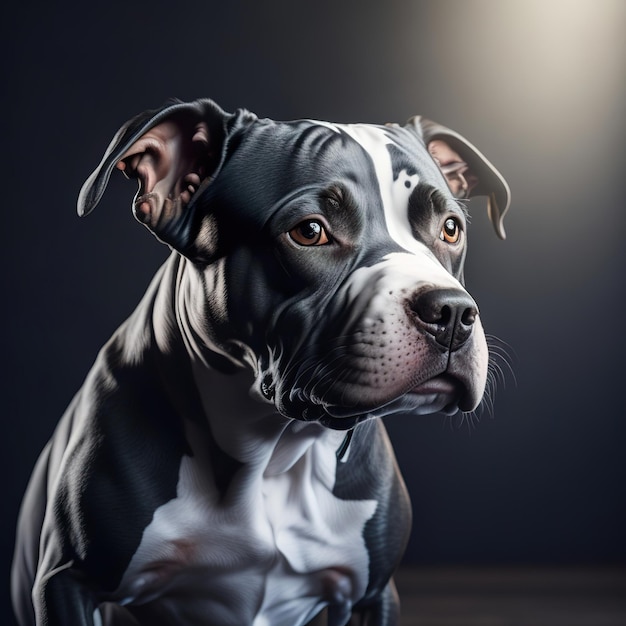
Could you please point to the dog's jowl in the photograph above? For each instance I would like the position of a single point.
(223, 463)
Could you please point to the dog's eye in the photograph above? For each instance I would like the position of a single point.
(309, 233)
(451, 232)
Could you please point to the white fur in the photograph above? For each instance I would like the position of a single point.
(273, 549)
(393, 193)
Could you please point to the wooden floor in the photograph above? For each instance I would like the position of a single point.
(512, 597)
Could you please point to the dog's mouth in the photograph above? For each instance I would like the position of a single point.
(440, 394)
(443, 393)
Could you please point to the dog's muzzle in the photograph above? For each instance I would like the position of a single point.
(387, 351)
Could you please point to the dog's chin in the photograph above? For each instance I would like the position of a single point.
(440, 394)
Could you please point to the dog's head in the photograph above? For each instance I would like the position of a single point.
(327, 257)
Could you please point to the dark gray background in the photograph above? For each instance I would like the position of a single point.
(537, 85)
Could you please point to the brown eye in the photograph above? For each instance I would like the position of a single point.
(450, 232)
(309, 233)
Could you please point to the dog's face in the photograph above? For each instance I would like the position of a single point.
(330, 257)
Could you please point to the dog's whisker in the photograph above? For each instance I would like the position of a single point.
(487, 401)
(494, 340)
(306, 370)
(497, 373)
(503, 350)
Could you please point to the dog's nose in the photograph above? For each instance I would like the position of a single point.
(447, 314)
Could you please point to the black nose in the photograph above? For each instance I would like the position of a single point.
(447, 314)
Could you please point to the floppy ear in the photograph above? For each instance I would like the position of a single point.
(465, 168)
(173, 152)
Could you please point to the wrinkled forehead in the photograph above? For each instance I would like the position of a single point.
(380, 165)
(387, 153)
(399, 165)
(393, 151)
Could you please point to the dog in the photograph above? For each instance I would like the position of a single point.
(225, 462)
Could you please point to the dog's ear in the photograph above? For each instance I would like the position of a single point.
(465, 168)
(172, 151)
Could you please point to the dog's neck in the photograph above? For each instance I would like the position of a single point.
(245, 426)
(251, 431)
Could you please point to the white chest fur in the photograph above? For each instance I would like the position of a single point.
(274, 551)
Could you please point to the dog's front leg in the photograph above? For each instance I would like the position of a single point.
(61, 597)
(383, 610)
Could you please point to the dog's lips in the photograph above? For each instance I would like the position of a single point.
(443, 393)
(442, 384)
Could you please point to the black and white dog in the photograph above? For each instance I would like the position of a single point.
(223, 463)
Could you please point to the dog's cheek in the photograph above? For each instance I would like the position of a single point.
(251, 290)
(305, 270)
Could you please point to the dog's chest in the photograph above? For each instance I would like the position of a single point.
(276, 549)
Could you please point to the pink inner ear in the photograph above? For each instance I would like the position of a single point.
(456, 171)
(170, 162)
(442, 152)
(201, 135)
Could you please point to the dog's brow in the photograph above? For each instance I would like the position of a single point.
(441, 203)
(337, 198)
(340, 205)
(425, 195)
